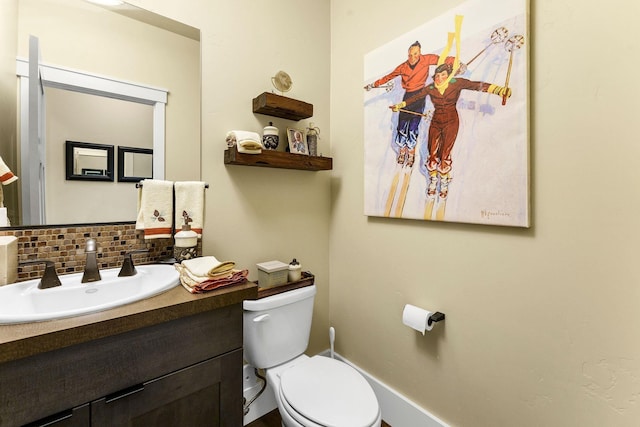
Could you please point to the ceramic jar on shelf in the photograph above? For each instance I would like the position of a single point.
(270, 137)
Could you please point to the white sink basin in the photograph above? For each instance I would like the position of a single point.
(23, 302)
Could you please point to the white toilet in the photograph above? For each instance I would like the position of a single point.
(310, 391)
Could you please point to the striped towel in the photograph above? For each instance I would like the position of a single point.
(190, 204)
(155, 208)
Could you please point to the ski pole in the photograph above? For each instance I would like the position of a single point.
(514, 42)
(497, 36)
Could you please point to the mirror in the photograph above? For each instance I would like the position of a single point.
(90, 162)
(134, 164)
(126, 44)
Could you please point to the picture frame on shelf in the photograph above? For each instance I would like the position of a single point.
(297, 141)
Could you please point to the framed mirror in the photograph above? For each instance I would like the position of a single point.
(88, 161)
(149, 51)
(134, 164)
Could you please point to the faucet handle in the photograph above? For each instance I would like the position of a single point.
(49, 277)
(128, 269)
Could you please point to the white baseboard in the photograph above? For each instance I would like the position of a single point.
(397, 410)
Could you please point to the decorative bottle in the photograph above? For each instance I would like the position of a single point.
(185, 243)
(313, 133)
(295, 271)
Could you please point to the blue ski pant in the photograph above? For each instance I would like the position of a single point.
(409, 124)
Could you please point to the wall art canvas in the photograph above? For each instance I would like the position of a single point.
(446, 118)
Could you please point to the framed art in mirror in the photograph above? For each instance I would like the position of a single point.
(89, 161)
(134, 164)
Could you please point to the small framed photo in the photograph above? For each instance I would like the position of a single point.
(297, 142)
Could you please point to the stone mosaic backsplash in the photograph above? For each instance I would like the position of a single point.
(65, 246)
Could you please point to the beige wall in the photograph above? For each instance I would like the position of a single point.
(542, 323)
(74, 116)
(88, 38)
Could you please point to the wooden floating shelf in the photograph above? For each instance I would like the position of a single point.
(277, 159)
(307, 280)
(275, 105)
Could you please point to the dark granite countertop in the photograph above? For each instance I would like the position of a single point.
(28, 339)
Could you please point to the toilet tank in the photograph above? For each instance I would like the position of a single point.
(276, 328)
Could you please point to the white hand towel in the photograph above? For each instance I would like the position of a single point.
(236, 136)
(6, 176)
(190, 201)
(155, 208)
(246, 141)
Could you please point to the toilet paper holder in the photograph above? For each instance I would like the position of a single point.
(435, 317)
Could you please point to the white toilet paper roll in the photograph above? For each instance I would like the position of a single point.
(417, 318)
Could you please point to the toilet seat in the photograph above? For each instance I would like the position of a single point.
(325, 392)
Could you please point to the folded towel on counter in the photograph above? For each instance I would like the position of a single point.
(207, 266)
(155, 208)
(190, 202)
(246, 141)
(233, 277)
(189, 276)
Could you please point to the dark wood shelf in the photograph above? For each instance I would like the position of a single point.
(277, 159)
(275, 105)
(308, 279)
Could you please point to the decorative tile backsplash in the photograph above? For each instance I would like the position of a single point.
(65, 246)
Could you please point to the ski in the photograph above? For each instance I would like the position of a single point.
(392, 191)
(428, 209)
(403, 191)
(436, 199)
(442, 204)
(431, 203)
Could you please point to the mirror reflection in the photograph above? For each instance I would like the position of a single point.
(86, 161)
(146, 49)
(134, 164)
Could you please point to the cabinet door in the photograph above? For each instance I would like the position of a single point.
(76, 417)
(193, 396)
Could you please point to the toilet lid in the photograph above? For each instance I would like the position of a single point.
(330, 393)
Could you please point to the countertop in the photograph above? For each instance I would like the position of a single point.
(28, 339)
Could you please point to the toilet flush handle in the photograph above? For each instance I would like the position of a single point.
(261, 318)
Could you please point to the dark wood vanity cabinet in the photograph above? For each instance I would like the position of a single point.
(182, 372)
(193, 396)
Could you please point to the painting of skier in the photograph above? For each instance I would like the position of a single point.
(447, 139)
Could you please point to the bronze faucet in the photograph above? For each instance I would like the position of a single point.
(91, 272)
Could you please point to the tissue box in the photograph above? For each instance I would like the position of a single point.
(272, 273)
(8, 259)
